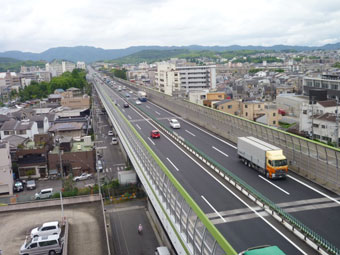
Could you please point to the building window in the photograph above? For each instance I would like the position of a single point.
(316, 125)
(316, 136)
(230, 106)
(222, 107)
(274, 114)
(246, 113)
(258, 106)
(246, 106)
(323, 126)
(274, 122)
(304, 111)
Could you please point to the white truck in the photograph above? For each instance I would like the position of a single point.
(264, 157)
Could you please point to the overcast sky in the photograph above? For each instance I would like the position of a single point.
(37, 25)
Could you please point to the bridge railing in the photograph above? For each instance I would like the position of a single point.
(188, 227)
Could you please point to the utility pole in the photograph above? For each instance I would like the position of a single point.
(337, 124)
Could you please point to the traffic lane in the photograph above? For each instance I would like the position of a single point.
(86, 232)
(260, 233)
(324, 221)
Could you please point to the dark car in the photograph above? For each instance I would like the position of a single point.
(18, 186)
(126, 105)
(155, 134)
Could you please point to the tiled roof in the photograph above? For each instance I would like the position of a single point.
(327, 103)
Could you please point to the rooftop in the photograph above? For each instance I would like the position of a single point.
(327, 103)
(75, 147)
(66, 126)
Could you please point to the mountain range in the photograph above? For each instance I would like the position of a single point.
(91, 54)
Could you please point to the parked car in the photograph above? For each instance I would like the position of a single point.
(138, 102)
(82, 177)
(30, 184)
(114, 140)
(110, 133)
(100, 165)
(174, 123)
(155, 134)
(44, 193)
(18, 186)
(126, 105)
(50, 245)
(46, 229)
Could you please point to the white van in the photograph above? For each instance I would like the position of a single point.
(49, 245)
(162, 250)
(44, 193)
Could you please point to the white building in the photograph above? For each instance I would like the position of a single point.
(171, 78)
(58, 68)
(6, 175)
(24, 128)
(81, 65)
(312, 116)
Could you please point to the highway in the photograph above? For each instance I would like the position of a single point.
(214, 196)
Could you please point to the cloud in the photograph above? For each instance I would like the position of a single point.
(37, 25)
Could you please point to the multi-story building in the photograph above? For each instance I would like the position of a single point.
(229, 106)
(329, 82)
(76, 102)
(81, 65)
(6, 175)
(171, 78)
(252, 109)
(58, 68)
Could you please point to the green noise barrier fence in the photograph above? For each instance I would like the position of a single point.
(312, 238)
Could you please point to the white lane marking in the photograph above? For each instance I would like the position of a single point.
(151, 141)
(225, 154)
(123, 110)
(138, 126)
(157, 113)
(172, 164)
(190, 133)
(231, 145)
(147, 106)
(225, 187)
(118, 104)
(274, 185)
(129, 117)
(314, 189)
(213, 208)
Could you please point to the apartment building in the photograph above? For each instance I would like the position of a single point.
(329, 82)
(252, 109)
(170, 78)
(6, 175)
(81, 65)
(58, 68)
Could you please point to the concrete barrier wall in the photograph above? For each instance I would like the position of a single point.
(315, 161)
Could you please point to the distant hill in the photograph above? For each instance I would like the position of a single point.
(92, 54)
(11, 64)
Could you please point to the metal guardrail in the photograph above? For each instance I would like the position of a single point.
(65, 245)
(313, 239)
(105, 226)
(195, 232)
(316, 161)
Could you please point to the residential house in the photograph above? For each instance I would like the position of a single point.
(229, 106)
(252, 109)
(14, 141)
(77, 156)
(54, 98)
(214, 97)
(24, 128)
(42, 122)
(271, 116)
(70, 129)
(32, 157)
(6, 175)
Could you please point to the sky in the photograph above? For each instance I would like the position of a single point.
(37, 25)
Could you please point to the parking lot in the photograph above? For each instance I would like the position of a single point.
(86, 227)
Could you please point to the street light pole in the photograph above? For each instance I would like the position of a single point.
(62, 207)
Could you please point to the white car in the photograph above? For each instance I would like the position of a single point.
(83, 176)
(48, 228)
(110, 133)
(138, 102)
(174, 123)
(44, 193)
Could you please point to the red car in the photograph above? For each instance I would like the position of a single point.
(155, 134)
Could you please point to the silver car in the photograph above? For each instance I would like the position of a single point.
(44, 193)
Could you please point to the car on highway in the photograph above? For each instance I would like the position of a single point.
(174, 123)
(31, 184)
(138, 102)
(127, 95)
(162, 250)
(46, 229)
(110, 133)
(82, 177)
(18, 186)
(130, 91)
(44, 193)
(126, 105)
(155, 134)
